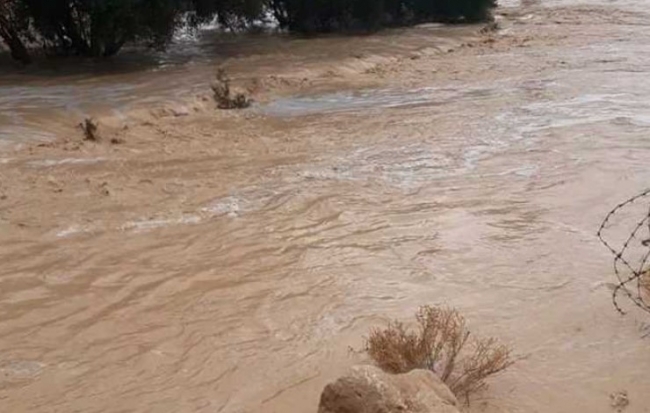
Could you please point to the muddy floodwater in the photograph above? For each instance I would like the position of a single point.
(196, 260)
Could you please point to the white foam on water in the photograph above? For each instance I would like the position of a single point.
(71, 230)
(66, 161)
(151, 224)
(229, 206)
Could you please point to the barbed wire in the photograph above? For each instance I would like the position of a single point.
(632, 278)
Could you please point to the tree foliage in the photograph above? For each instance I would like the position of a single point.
(100, 27)
(13, 29)
(97, 28)
(334, 15)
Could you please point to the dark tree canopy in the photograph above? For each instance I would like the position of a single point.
(99, 28)
(333, 15)
(14, 29)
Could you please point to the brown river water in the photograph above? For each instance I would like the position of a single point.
(217, 261)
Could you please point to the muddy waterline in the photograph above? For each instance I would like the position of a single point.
(228, 262)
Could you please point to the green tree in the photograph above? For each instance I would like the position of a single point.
(13, 27)
(333, 15)
(100, 27)
(230, 13)
(451, 10)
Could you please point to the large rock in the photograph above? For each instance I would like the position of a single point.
(367, 389)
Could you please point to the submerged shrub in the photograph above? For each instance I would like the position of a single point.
(90, 129)
(440, 343)
(223, 95)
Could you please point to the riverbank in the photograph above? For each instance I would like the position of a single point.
(227, 260)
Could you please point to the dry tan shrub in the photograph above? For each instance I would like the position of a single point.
(487, 358)
(398, 350)
(443, 344)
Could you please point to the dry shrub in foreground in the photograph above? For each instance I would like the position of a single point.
(443, 344)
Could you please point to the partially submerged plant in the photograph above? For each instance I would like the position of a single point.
(443, 344)
(490, 27)
(223, 95)
(90, 129)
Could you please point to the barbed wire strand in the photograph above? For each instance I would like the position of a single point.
(621, 263)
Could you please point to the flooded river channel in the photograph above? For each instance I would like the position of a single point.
(197, 260)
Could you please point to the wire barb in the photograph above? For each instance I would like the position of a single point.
(630, 277)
